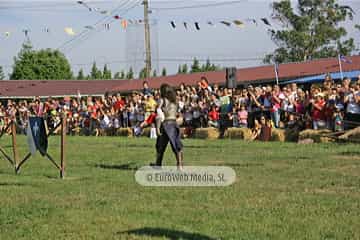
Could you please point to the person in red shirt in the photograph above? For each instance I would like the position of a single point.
(119, 104)
(318, 111)
(214, 117)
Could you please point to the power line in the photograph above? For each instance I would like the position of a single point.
(95, 24)
(197, 6)
(86, 37)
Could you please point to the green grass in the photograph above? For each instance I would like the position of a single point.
(282, 191)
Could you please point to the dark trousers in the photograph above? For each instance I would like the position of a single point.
(224, 123)
(351, 120)
(170, 132)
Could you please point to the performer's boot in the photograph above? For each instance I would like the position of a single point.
(159, 158)
(179, 160)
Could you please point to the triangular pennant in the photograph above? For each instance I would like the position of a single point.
(265, 21)
(124, 23)
(226, 23)
(239, 23)
(252, 20)
(197, 26)
(69, 31)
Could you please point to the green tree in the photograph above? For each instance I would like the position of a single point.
(179, 69)
(116, 75)
(2, 75)
(184, 69)
(195, 67)
(42, 64)
(154, 73)
(312, 30)
(106, 73)
(163, 72)
(95, 73)
(130, 74)
(207, 66)
(142, 73)
(120, 75)
(80, 75)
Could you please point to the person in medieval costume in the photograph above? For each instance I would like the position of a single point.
(168, 129)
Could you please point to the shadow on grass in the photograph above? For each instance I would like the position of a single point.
(168, 233)
(350, 153)
(126, 167)
(7, 184)
(244, 164)
(153, 147)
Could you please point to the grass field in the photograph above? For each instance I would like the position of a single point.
(282, 191)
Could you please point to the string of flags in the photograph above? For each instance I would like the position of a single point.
(227, 23)
(93, 9)
(124, 23)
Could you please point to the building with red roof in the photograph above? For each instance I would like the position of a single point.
(254, 75)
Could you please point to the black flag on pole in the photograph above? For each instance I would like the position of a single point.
(37, 137)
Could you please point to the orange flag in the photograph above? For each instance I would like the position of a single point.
(124, 23)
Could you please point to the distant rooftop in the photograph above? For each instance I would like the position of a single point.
(261, 74)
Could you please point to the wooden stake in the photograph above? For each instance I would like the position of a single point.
(62, 148)
(15, 152)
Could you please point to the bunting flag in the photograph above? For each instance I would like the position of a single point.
(239, 23)
(173, 24)
(104, 12)
(124, 23)
(69, 31)
(85, 5)
(252, 20)
(266, 22)
(226, 23)
(26, 32)
(197, 26)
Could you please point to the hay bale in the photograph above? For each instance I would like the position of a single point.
(146, 132)
(306, 141)
(291, 135)
(353, 134)
(206, 133)
(278, 135)
(319, 136)
(125, 132)
(238, 133)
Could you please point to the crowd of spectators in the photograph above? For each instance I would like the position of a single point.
(327, 105)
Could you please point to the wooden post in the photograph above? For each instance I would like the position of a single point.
(13, 136)
(62, 148)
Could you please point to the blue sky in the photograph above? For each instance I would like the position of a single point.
(226, 46)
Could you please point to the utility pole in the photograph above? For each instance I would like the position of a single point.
(147, 38)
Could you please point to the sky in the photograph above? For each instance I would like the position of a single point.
(121, 48)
